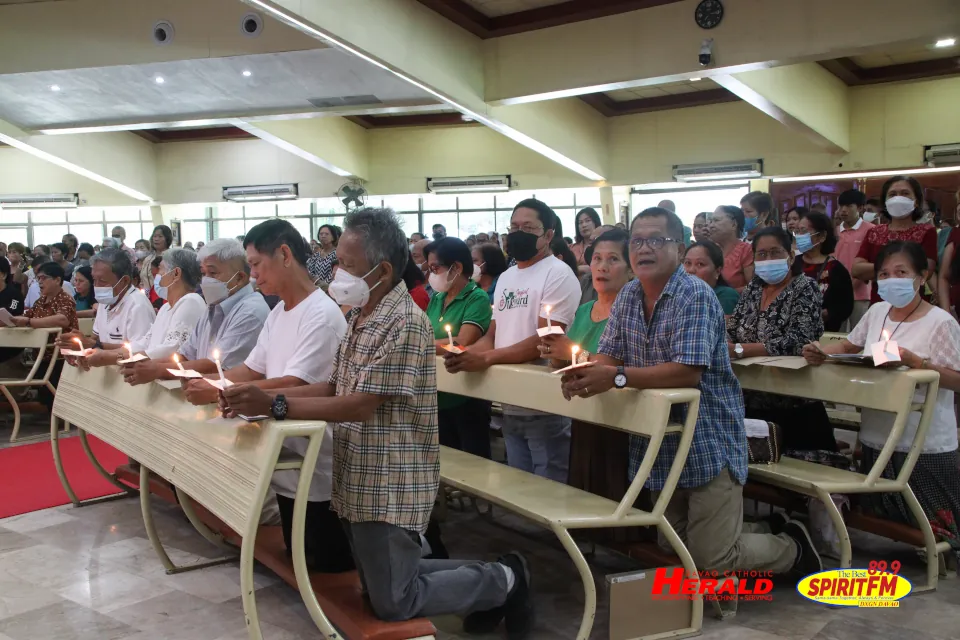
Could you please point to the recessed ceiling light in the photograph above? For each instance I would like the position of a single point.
(946, 42)
(247, 73)
(54, 87)
(159, 80)
(695, 79)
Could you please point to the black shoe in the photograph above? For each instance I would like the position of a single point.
(518, 609)
(808, 560)
(777, 521)
(437, 549)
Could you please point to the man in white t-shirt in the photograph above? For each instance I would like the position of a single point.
(536, 442)
(124, 314)
(296, 347)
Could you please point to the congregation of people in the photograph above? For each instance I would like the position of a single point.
(347, 329)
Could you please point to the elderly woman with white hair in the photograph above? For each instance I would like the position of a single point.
(177, 283)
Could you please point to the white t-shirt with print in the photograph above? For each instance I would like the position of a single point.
(520, 301)
(126, 322)
(302, 342)
(936, 337)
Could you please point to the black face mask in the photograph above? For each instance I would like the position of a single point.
(438, 235)
(521, 245)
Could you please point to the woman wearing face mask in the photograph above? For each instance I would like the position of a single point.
(929, 338)
(777, 315)
(161, 239)
(414, 279)
(463, 307)
(176, 282)
(816, 241)
(704, 259)
(903, 198)
(84, 297)
(320, 264)
(758, 213)
(488, 263)
(726, 229)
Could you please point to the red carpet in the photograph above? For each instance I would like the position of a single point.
(29, 481)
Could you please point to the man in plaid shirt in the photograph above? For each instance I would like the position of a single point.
(667, 329)
(381, 401)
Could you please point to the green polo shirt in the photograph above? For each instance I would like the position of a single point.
(471, 306)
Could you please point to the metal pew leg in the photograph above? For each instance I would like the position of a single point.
(930, 547)
(155, 538)
(696, 615)
(846, 551)
(211, 536)
(589, 586)
(16, 412)
(110, 477)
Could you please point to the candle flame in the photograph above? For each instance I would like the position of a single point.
(176, 359)
(574, 351)
(79, 343)
(447, 328)
(216, 354)
(547, 308)
(886, 335)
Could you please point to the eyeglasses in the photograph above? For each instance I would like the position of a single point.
(526, 228)
(654, 243)
(775, 254)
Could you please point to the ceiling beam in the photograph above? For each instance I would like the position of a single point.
(613, 108)
(486, 27)
(158, 136)
(853, 75)
(411, 120)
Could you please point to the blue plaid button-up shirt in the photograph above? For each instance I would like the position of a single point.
(687, 327)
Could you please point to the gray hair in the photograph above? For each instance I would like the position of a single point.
(382, 236)
(186, 261)
(117, 259)
(110, 243)
(226, 250)
(123, 232)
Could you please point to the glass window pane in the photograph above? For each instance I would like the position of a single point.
(567, 217)
(332, 206)
(230, 228)
(442, 202)
(477, 222)
(260, 210)
(48, 215)
(146, 230)
(228, 210)
(194, 231)
(448, 220)
(85, 214)
(503, 220)
(287, 208)
(302, 225)
(556, 197)
(689, 203)
(510, 200)
(92, 233)
(476, 201)
(48, 234)
(319, 221)
(403, 202)
(14, 234)
(13, 216)
(183, 212)
(409, 222)
(589, 197)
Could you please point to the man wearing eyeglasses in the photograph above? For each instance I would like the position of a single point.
(667, 329)
(539, 290)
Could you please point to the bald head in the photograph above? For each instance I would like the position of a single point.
(668, 205)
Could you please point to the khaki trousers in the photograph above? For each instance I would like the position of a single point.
(709, 520)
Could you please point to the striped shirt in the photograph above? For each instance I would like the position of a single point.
(387, 469)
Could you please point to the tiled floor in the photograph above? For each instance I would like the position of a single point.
(90, 574)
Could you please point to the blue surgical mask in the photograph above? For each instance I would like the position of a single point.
(772, 271)
(749, 224)
(899, 292)
(804, 242)
(161, 290)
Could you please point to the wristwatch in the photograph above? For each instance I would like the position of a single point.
(620, 380)
(279, 408)
(738, 350)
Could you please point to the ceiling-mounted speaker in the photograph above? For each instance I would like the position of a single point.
(163, 32)
(251, 25)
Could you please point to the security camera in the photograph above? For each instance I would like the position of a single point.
(706, 52)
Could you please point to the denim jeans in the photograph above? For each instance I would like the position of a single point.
(539, 444)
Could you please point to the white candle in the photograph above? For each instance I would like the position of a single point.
(449, 334)
(176, 359)
(216, 359)
(573, 354)
(548, 316)
(886, 341)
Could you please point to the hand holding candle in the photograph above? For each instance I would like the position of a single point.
(547, 310)
(126, 345)
(885, 351)
(573, 353)
(449, 334)
(176, 359)
(216, 359)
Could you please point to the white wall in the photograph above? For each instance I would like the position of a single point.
(22, 173)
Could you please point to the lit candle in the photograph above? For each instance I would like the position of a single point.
(216, 359)
(126, 345)
(449, 334)
(548, 316)
(573, 353)
(79, 344)
(176, 359)
(143, 291)
(886, 341)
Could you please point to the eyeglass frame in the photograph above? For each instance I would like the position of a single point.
(655, 243)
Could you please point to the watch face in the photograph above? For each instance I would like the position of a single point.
(620, 381)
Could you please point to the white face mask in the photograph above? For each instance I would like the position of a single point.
(441, 281)
(140, 253)
(900, 206)
(869, 216)
(214, 291)
(349, 290)
(477, 272)
(105, 295)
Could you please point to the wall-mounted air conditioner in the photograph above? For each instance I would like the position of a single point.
(718, 171)
(260, 193)
(468, 185)
(40, 201)
(942, 155)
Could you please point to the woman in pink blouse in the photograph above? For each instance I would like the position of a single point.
(726, 229)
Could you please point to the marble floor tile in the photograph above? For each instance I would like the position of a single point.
(86, 535)
(212, 621)
(37, 520)
(159, 610)
(112, 590)
(18, 597)
(11, 541)
(46, 566)
(64, 621)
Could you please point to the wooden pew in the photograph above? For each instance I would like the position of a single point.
(25, 338)
(560, 507)
(890, 390)
(226, 467)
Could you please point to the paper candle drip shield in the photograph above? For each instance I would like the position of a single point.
(885, 351)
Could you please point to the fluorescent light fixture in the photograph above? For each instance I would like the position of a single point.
(75, 168)
(247, 73)
(159, 80)
(746, 175)
(695, 79)
(680, 186)
(510, 132)
(946, 42)
(54, 87)
(868, 174)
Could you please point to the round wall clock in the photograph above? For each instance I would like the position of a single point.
(709, 14)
